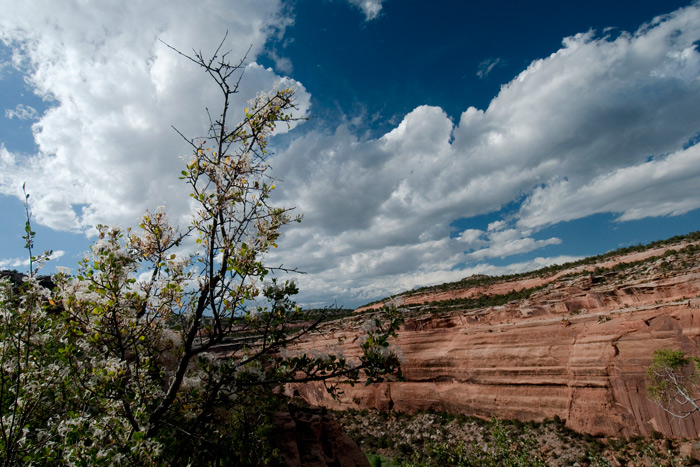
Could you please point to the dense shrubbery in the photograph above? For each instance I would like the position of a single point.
(483, 301)
(436, 438)
(154, 356)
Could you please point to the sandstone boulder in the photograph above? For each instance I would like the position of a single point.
(312, 438)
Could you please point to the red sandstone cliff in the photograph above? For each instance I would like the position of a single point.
(576, 348)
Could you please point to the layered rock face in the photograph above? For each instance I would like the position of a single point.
(576, 348)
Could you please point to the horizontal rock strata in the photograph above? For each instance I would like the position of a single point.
(578, 348)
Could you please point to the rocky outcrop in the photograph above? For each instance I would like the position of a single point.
(577, 348)
(17, 278)
(312, 438)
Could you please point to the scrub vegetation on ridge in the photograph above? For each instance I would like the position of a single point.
(482, 280)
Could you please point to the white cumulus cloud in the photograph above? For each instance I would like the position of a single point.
(22, 112)
(604, 124)
(107, 151)
(601, 125)
(14, 263)
(370, 8)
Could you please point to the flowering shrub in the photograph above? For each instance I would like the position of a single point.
(151, 356)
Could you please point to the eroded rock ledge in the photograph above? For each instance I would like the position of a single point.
(576, 348)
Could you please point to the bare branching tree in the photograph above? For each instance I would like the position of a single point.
(673, 379)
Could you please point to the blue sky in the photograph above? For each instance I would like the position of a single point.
(445, 140)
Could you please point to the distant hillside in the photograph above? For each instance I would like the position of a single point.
(441, 292)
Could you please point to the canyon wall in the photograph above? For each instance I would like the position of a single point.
(576, 348)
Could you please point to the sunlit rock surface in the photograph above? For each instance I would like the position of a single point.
(576, 348)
